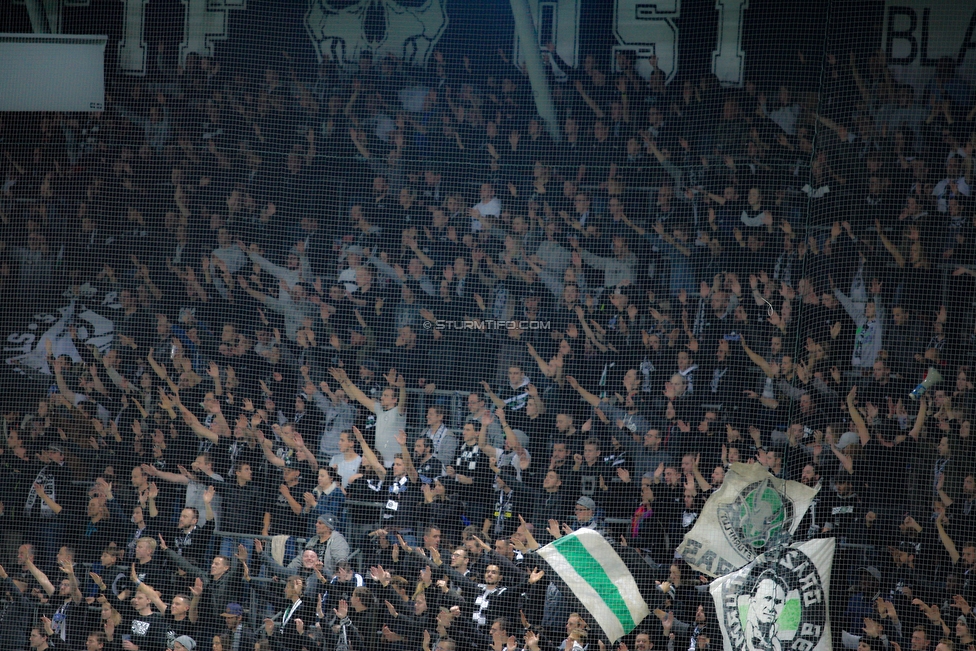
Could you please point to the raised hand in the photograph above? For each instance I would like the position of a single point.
(871, 628)
(958, 601)
(553, 529)
(96, 579)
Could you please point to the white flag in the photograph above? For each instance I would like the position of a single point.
(591, 568)
(778, 602)
(753, 511)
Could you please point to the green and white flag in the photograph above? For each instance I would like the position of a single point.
(779, 601)
(598, 577)
(752, 512)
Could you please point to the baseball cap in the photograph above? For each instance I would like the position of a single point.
(233, 609)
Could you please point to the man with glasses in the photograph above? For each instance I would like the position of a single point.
(460, 560)
(587, 516)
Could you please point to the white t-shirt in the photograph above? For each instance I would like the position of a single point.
(491, 208)
(388, 424)
(346, 469)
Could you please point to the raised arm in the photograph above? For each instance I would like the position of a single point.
(757, 358)
(198, 428)
(277, 271)
(543, 364)
(47, 499)
(402, 400)
(214, 372)
(854, 311)
(919, 419)
(294, 504)
(495, 400)
(69, 395)
(368, 455)
(385, 269)
(157, 367)
(269, 455)
(862, 428)
(589, 100)
(306, 455)
(947, 542)
(40, 577)
(351, 389)
(669, 239)
(183, 563)
(411, 469)
(425, 259)
(889, 246)
(844, 460)
(637, 229)
(148, 590)
(253, 293)
(172, 477)
(591, 398)
(118, 380)
(516, 446)
(699, 478)
(487, 448)
(594, 260)
(68, 568)
(587, 331)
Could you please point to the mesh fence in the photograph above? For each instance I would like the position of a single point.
(390, 278)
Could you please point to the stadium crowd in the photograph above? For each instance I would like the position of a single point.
(383, 321)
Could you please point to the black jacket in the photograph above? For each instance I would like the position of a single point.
(15, 619)
(216, 593)
(285, 636)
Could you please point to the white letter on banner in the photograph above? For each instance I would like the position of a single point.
(204, 23)
(648, 29)
(132, 45)
(728, 59)
(556, 22)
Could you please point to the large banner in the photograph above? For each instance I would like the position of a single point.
(778, 603)
(917, 33)
(752, 512)
(345, 30)
(88, 321)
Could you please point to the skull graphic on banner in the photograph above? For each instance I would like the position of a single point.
(345, 30)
